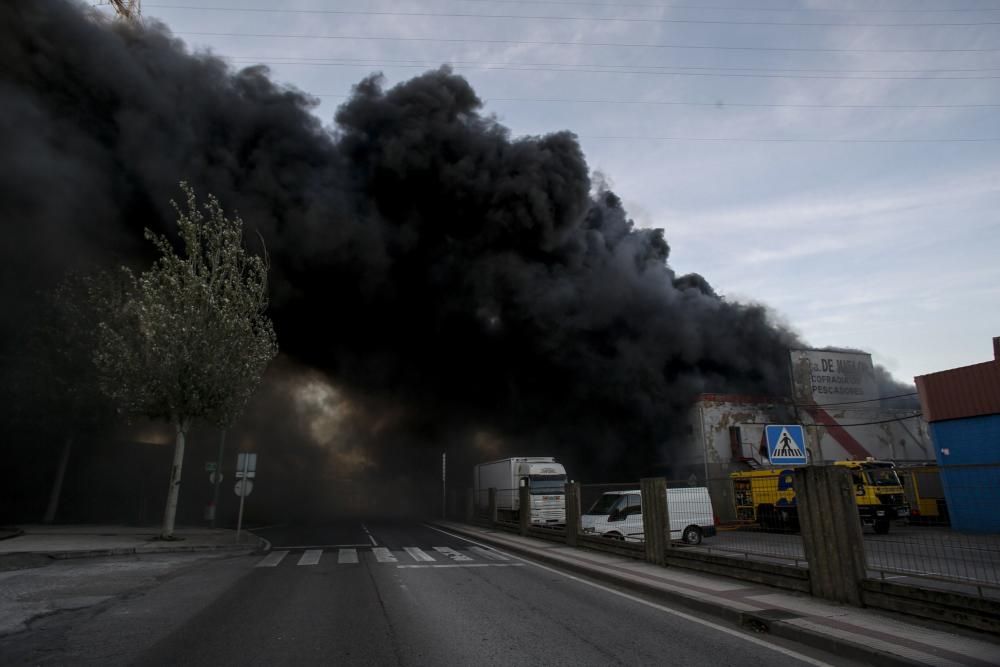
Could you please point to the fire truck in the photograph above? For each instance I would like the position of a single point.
(767, 496)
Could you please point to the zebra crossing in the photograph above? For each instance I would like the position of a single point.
(407, 558)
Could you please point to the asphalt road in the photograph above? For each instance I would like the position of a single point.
(385, 593)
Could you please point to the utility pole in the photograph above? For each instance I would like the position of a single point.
(444, 486)
(129, 11)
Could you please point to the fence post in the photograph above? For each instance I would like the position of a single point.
(493, 506)
(470, 507)
(831, 532)
(655, 519)
(524, 508)
(572, 512)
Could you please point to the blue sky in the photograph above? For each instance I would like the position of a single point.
(782, 160)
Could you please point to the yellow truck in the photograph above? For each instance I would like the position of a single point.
(767, 497)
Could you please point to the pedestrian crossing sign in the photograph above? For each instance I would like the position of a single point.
(786, 444)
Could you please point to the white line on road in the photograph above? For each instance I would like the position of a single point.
(365, 528)
(383, 555)
(450, 565)
(272, 559)
(452, 554)
(311, 557)
(347, 556)
(489, 553)
(417, 554)
(301, 547)
(660, 607)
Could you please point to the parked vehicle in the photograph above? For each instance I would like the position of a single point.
(767, 496)
(544, 477)
(618, 514)
(925, 495)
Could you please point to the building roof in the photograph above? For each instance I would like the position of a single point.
(969, 391)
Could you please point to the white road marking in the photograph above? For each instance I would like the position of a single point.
(347, 556)
(305, 547)
(418, 554)
(272, 559)
(383, 555)
(450, 565)
(489, 553)
(311, 557)
(660, 607)
(365, 528)
(452, 554)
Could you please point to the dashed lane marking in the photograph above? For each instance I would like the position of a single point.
(347, 556)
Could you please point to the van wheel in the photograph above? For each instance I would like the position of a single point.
(615, 536)
(692, 535)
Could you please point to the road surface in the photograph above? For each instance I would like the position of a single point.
(384, 593)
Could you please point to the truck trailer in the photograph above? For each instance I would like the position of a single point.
(544, 477)
(767, 496)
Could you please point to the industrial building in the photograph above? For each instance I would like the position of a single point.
(834, 399)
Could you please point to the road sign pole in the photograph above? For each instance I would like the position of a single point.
(243, 496)
(444, 487)
(218, 479)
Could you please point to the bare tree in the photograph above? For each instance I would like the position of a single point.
(189, 338)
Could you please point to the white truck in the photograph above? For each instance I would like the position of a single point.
(544, 477)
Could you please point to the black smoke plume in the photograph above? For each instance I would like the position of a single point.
(429, 264)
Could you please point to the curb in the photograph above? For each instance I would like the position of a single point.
(8, 533)
(262, 545)
(757, 621)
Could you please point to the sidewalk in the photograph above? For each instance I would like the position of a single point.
(81, 541)
(861, 634)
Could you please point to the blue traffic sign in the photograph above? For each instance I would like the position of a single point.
(786, 444)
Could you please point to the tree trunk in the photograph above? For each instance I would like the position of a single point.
(181, 425)
(57, 483)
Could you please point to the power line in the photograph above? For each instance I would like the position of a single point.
(730, 7)
(720, 105)
(867, 400)
(873, 423)
(601, 19)
(564, 66)
(650, 70)
(790, 140)
(641, 45)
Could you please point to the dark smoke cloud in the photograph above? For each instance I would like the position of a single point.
(424, 260)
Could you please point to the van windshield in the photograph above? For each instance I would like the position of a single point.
(545, 484)
(603, 504)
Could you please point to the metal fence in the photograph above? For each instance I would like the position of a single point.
(951, 539)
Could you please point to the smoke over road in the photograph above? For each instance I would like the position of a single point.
(472, 285)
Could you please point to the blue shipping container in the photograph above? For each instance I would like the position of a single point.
(972, 490)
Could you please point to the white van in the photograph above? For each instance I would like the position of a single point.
(618, 514)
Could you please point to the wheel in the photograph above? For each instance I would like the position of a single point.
(765, 517)
(692, 535)
(881, 527)
(615, 536)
